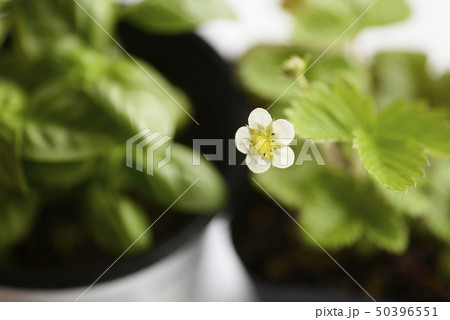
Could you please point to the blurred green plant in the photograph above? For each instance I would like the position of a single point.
(378, 124)
(69, 99)
(318, 23)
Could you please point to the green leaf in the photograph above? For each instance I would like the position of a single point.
(176, 16)
(416, 122)
(41, 25)
(339, 211)
(55, 131)
(261, 72)
(17, 215)
(136, 96)
(385, 229)
(95, 32)
(43, 175)
(11, 170)
(439, 93)
(398, 75)
(331, 113)
(329, 221)
(168, 183)
(394, 162)
(437, 189)
(415, 202)
(335, 68)
(384, 12)
(319, 23)
(12, 101)
(289, 186)
(11, 108)
(116, 222)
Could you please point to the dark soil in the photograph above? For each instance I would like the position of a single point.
(60, 239)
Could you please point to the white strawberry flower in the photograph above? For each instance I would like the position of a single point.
(266, 142)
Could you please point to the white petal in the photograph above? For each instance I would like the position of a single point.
(256, 164)
(283, 157)
(284, 131)
(243, 139)
(259, 118)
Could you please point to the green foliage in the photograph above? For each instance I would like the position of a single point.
(261, 72)
(325, 113)
(40, 25)
(70, 99)
(320, 22)
(17, 215)
(116, 222)
(391, 161)
(60, 175)
(336, 210)
(399, 75)
(416, 122)
(376, 124)
(392, 143)
(54, 131)
(175, 16)
(132, 94)
(170, 181)
(405, 75)
(11, 106)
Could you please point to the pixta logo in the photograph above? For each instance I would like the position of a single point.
(141, 150)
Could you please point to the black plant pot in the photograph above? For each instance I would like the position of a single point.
(284, 268)
(192, 65)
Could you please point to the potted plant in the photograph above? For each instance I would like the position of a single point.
(77, 83)
(352, 216)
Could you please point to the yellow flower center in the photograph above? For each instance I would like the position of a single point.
(263, 143)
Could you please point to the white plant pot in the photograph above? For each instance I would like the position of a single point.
(171, 279)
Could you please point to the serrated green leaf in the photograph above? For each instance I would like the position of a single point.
(394, 162)
(416, 122)
(331, 113)
(116, 222)
(176, 16)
